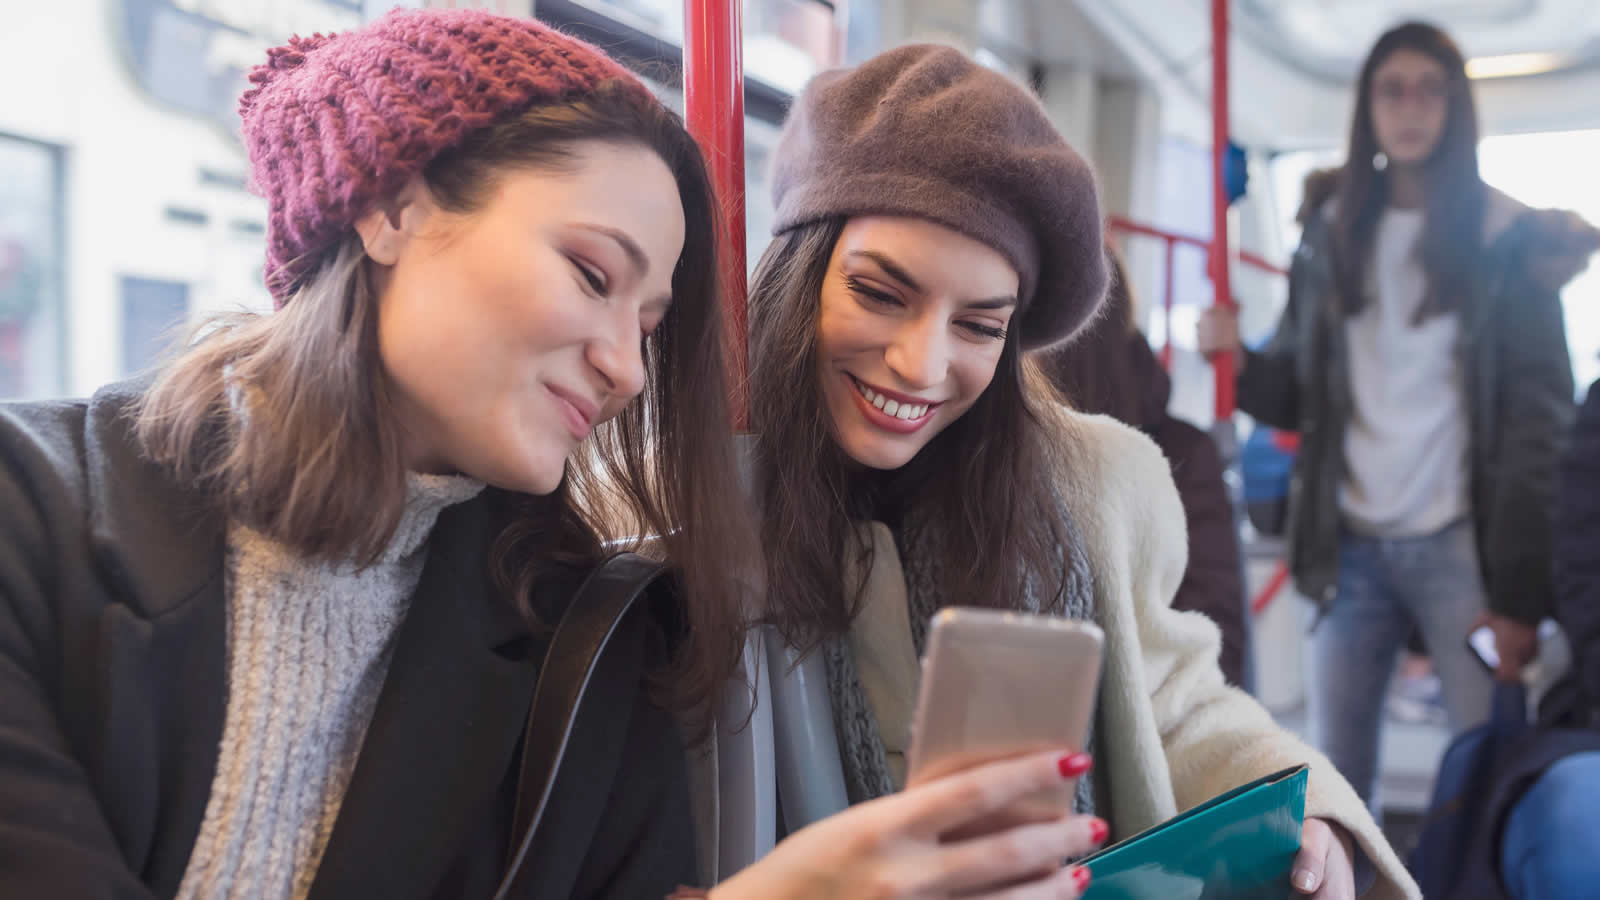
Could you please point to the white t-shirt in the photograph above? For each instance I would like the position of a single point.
(1406, 444)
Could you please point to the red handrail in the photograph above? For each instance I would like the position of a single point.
(1262, 600)
(713, 101)
(1218, 266)
(1129, 226)
(1172, 239)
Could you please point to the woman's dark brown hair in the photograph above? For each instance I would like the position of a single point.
(1454, 192)
(1098, 372)
(986, 478)
(287, 419)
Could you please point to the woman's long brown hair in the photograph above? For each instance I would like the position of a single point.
(315, 459)
(1098, 372)
(986, 479)
(1454, 192)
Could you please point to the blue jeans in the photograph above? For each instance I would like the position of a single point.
(1386, 587)
(1551, 845)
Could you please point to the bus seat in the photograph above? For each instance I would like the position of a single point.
(784, 747)
(746, 819)
(810, 778)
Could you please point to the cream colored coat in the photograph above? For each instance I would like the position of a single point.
(1172, 734)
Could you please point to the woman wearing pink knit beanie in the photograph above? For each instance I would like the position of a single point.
(271, 619)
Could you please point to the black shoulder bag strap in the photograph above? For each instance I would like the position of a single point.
(596, 619)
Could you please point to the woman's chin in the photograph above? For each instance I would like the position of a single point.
(538, 479)
(880, 452)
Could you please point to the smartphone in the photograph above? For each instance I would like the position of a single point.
(998, 684)
(1481, 642)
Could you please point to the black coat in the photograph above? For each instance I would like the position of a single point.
(1518, 384)
(113, 689)
(1577, 563)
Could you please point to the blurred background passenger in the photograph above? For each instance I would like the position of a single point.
(1549, 792)
(1423, 360)
(1111, 370)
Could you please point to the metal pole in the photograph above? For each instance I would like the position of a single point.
(713, 101)
(1222, 363)
(1166, 308)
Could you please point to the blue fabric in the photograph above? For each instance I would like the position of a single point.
(1463, 793)
(1385, 588)
(1264, 467)
(1551, 846)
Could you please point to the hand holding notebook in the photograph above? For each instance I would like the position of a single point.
(1325, 867)
(1240, 845)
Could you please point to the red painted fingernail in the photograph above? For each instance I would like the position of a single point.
(1074, 765)
(1099, 831)
(1080, 877)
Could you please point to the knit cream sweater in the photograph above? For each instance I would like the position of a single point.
(308, 648)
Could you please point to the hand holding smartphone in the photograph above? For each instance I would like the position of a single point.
(1485, 645)
(1481, 642)
(999, 684)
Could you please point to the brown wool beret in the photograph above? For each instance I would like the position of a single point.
(924, 131)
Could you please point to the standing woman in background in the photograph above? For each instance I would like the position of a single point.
(1422, 358)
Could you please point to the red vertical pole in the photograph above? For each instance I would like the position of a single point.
(1222, 364)
(1166, 308)
(713, 100)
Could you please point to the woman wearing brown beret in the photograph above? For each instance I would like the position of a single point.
(932, 228)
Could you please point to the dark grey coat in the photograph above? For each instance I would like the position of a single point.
(1519, 397)
(113, 689)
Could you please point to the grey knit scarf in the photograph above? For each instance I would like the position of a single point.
(861, 751)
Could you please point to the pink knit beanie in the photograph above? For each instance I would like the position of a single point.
(336, 123)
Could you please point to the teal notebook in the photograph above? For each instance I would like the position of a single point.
(1238, 845)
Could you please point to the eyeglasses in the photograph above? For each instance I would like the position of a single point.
(1428, 91)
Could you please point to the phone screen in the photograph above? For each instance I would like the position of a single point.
(1481, 640)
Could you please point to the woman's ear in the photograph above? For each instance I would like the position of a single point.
(391, 226)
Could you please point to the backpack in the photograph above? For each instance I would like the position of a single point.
(1266, 465)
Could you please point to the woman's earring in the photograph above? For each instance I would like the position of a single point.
(1380, 161)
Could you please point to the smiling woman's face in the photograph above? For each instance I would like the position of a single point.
(912, 324)
(509, 332)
